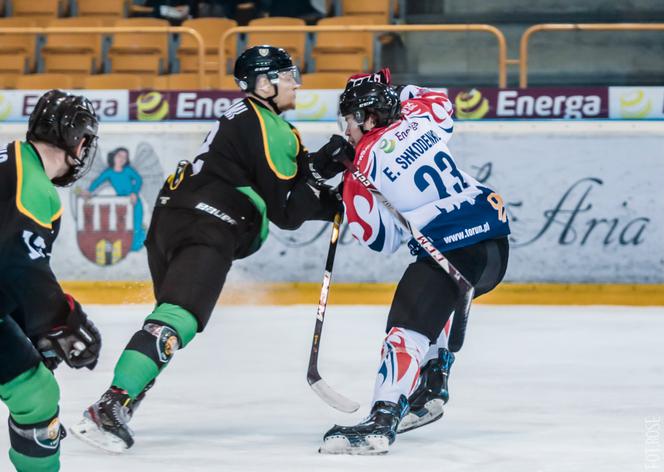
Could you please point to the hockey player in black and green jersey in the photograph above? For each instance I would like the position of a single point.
(40, 326)
(252, 168)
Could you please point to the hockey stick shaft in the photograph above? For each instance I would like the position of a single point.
(324, 292)
(466, 289)
(319, 386)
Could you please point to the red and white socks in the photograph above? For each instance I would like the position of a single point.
(402, 354)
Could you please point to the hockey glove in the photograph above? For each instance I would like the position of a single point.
(77, 343)
(327, 162)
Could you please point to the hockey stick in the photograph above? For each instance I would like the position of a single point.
(322, 389)
(462, 308)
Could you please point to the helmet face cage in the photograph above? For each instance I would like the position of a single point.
(65, 121)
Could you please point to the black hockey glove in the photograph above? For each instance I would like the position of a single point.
(78, 342)
(327, 162)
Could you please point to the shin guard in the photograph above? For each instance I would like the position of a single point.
(402, 354)
(36, 447)
(441, 342)
(165, 331)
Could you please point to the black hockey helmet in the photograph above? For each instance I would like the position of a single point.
(375, 98)
(265, 59)
(66, 120)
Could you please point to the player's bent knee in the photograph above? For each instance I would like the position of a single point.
(157, 341)
(178, 319)
(34, 427)
(38, 439)
(33, 396)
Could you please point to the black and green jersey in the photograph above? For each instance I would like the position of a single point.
(30, 211)
(253, 153)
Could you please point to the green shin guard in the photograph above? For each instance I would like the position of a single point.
(167, 329)
(34, 428)
(24, 463)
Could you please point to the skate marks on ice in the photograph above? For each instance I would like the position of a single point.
(534, 389)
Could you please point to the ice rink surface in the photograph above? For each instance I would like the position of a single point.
(535, 389)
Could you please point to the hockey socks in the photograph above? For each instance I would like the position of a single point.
(441, 342)
(403, 350)
(34, 427)
(167, 329)
(105, 424)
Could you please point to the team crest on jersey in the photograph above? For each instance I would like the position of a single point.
(111, 204)
(263, 52)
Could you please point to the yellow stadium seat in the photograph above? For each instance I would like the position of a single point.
(180, 82)
(76, 53)
(104, 10)
(294, 43)
(324, 80)
(17, 51)
(211, 29)
(41, 11)
(44, 81)
(8, 81)
(348, 52)
(113, 81)
(379, 10)
(139, 52)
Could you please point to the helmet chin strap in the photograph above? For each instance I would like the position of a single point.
(271, 98)
(68, 177)
(72, 173)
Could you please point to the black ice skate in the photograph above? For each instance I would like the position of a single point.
(105, 423)
(428, 399)
(372, 436)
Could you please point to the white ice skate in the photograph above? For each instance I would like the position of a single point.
(88, 431)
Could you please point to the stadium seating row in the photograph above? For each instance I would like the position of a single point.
(110, 10)
(151, 54)
(316, 80)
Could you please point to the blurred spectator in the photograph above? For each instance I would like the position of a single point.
(294, 8)
(219, 8)
(243, 11)
(175, 11)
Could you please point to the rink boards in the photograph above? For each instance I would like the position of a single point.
(585, 201)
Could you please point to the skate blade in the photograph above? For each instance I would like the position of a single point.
(433, 411)
(88, 431)
(371, 446)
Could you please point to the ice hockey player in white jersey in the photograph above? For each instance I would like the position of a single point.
(401, 146)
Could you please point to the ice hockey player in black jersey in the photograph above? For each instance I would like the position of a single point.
(40, 325)
(251, 169)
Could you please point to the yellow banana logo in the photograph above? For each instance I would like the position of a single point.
(471, 105)
(309, 106)
(5, 108)
(151, 106)
(635, 105)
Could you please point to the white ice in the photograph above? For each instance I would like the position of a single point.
(534, 389)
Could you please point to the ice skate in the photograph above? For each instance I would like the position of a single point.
(372, 436)
(105, 423)
(428, 399)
